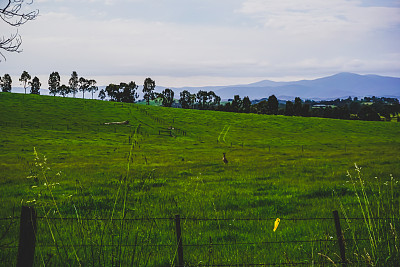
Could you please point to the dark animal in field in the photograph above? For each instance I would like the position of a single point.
(224, 159)
(117, 123)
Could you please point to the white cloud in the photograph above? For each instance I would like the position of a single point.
(316, 16)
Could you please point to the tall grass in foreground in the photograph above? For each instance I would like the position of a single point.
(97, 236)
(379, 208)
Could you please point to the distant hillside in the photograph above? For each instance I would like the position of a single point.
(340, 85)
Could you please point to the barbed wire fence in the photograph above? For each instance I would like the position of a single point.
(178, 240)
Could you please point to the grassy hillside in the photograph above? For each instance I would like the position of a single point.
(286, 167)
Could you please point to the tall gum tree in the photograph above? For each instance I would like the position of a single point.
(25, 77)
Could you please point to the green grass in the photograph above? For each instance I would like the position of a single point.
(286, 167)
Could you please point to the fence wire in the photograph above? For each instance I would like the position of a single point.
(155, 236)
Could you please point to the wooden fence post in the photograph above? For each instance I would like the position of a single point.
(179, 240)
(340, 237)
(27, 237)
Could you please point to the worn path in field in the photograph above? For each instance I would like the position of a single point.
(224, 134)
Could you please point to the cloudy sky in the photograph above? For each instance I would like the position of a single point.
(207, 42)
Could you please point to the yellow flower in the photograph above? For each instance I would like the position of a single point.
(276, 223)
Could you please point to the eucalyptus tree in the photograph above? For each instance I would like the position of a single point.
(92, 87)
(246, 104)
(83, 86)
(54, 83)
(236, 105)
(213, 100)
(35, 86)
(202, 98)
(74, 83)
(167, 96)
(187, 99)
(297, 106)
(25, 77)
(148, 90)
(123, 92)
(64, 90)
(273, 105)
(6, 82)
(289, 108)
(102, 94)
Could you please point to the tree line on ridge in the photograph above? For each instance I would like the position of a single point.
(368, 108)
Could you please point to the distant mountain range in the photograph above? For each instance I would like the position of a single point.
(341, 85)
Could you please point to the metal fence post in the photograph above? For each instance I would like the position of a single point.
(179, 240)
(27, 237)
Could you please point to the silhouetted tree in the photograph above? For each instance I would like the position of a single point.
(64, 90)
(74, 83)
(35, 86)
(124, 92)
(273, 105)
(148, 90)
(5, 83)
(92, 87)
(187, 99)
(261, 107)
(202, 98)
(213, 100)
(129, 92)
(167, 96)
(246, 104)
(25, 77)
(297, 107)
(11, 12)
(236, 105)
(102, 94)
(289, 109)
(83, 86)
(54, 83)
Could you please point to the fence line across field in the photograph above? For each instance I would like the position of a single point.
(197, 219)
(29, 231)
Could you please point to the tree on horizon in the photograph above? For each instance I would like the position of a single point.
(148, 90)
(74, 83)
(25, 77)
(6, 83)
(54, 83)
(167, 96)
(83, 86)
(64, 90)
(35, 86)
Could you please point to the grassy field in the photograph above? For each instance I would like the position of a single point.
(279, 167)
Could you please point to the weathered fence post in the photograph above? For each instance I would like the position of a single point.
(179, 240)
(27, 237)
(340, 237)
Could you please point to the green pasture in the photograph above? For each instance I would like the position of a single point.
(168, 161)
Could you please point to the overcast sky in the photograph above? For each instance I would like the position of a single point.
(207, 42)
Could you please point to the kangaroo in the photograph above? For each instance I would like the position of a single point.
(224, 159)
